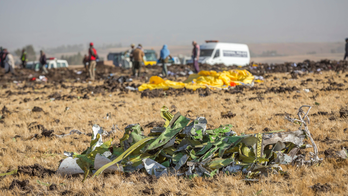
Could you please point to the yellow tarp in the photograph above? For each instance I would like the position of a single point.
(202, 80)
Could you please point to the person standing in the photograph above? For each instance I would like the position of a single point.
(130, 53)
(43, 62)
(131, 59)
(24, 58)
(92, 52)
(346, 55)
(195, 56)
(138, 57)
(164, 57)
(8, 62)
(2, 58)
(85, 63)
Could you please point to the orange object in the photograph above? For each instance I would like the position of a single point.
(233, 84)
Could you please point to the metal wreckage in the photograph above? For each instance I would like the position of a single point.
(187, 148)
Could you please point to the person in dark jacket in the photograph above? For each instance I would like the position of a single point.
(43, 62)
(195, 56)
(85, 63)
(2, 58)
(346, 55)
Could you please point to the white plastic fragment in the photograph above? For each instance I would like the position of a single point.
(97, 130)
(306, 90)
(199, 124)
(343, 154)
(71, 132)
(100, 161)
(233, 169)
(154, 168)
(68, 154)
(69, 167)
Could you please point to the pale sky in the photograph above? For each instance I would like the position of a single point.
(50, 23)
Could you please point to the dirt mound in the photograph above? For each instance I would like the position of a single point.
(159, 93)
(37, 109)
(53, 187)
(228, 114)
(22, 185)
(35, 170)
(154, 124)
(321, 188)
(47, 133)
(343, 112)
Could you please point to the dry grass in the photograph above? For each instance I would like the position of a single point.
(252, 116)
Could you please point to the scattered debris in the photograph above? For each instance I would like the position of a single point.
(185, 147)
(204, 79)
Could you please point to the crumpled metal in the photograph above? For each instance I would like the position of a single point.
(186, 147)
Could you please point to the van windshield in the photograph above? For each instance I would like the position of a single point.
(150, 56)
(206, 52)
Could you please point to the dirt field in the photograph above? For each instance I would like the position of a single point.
(255, 109)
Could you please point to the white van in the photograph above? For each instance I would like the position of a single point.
(213, 52)
(55, 63)
(51, 63)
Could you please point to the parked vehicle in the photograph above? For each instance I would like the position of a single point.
(33, 65)
(150, 57)
(185, 60)
(214, 52)
(174, 60)
(56, 63)
(52, 63)
(120, 59)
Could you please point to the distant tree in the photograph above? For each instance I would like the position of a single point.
(73, 59)
(269, 53)
(252, 54)
(64, 49)
(31, 55)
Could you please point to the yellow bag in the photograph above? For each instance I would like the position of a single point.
(202, 80)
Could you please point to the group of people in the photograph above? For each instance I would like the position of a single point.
(165, 56)
(89, 61)
(7, 61)
(137, 55)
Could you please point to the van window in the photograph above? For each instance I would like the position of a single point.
(63, 64)
(217, 54)
(206, 52)
(52, 65)
(59, 65)
(232, 53)
(150, 56)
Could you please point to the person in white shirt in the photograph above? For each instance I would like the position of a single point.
(9, 62)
